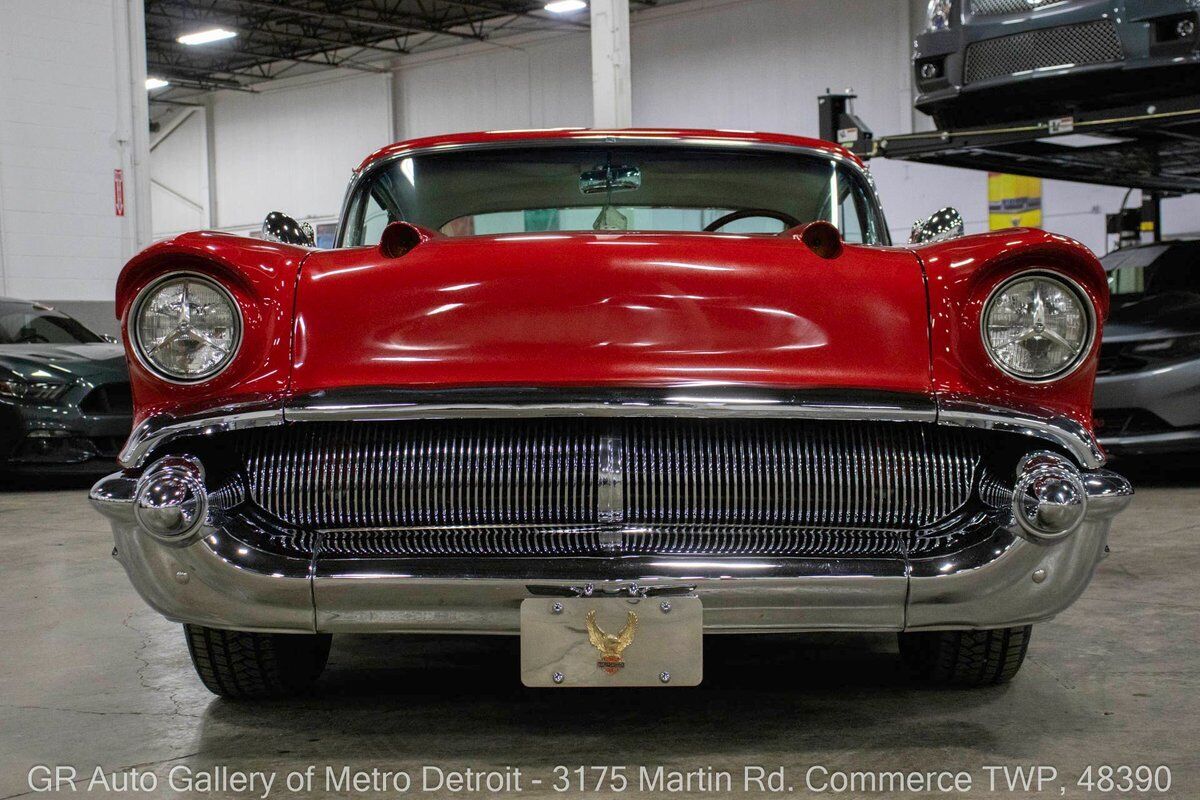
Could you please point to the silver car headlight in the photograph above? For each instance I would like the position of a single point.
(1037, 326)
(938, 15)
(185, 327)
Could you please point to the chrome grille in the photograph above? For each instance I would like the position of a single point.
(1088, 43)
(720, 540)
(687, 475)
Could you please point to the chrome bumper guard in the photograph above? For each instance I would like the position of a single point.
(1017, 576)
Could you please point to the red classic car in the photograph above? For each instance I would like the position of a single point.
(610, 391)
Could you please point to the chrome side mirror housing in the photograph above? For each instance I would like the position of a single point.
(279, 227)
(940, 226)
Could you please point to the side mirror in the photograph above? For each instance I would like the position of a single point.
(279, 227)
(940, 226)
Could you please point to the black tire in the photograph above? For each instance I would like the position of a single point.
(965, 658)
(250, 666)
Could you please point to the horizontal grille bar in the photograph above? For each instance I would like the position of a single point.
(503, 473)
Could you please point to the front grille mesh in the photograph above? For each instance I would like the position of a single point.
(535, 487)
(1088, 43)
(998, 8)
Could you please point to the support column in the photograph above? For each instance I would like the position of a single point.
(612, 98)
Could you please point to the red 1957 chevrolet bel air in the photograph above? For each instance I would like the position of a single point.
(610, 391)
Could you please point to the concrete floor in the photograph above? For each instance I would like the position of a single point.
(89, 676)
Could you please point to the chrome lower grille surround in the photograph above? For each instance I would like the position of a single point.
(1087, 43)
(587, 486)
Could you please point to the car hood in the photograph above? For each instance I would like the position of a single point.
(96, 363)
(1153, 317)
(634, 309)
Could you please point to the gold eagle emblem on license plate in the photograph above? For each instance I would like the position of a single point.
(611, 647)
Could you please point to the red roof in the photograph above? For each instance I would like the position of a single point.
(585, 134)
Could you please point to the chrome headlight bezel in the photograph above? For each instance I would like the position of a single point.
(1075, 290)
(135, 339)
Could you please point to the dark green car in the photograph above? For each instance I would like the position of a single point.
(64, 393)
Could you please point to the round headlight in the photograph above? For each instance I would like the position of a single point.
(938, 15)
(186, 328)
(1037, 327)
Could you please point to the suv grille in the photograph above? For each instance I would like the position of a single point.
(1088, 43)
(999, 8)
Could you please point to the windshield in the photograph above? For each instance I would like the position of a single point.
(1159, 269)
(628, 188)
(23, 323)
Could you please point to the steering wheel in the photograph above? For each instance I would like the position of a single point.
(720, 222)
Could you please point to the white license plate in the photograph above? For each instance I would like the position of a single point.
(612, 641)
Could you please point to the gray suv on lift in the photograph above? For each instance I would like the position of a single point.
(1148, 384)
(977, 57)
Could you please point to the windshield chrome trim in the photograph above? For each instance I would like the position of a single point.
(363, 405)
(608, 138)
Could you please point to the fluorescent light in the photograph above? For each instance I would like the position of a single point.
(565, 6)
(155, 83)
(205, 37)
(1082, 140)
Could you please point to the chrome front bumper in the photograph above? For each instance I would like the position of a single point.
(220, 582)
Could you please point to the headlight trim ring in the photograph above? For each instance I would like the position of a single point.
(148, 291)
(1080, 295)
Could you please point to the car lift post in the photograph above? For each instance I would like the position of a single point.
(838, 123)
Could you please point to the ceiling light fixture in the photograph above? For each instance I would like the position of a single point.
(206, 37)
(155, 83)
(565, 6)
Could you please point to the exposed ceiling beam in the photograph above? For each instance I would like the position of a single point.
(354, 19)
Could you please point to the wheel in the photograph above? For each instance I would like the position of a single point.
(249, 666)
(965, 658)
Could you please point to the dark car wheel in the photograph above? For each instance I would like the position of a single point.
(248, 666)
(965, 658)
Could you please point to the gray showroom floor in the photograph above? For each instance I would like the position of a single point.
(89, 676)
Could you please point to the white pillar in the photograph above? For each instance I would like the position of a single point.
(133, 121)
(612, 99)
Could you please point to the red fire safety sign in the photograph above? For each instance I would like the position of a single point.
(119, 192)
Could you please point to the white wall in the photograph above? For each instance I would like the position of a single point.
(68, 118)
(179, 189)
(291, 147)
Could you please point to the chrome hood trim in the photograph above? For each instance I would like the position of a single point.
(682, 402)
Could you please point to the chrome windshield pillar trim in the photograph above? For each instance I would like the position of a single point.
(1062, 431)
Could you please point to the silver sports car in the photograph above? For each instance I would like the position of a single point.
(1148, 385)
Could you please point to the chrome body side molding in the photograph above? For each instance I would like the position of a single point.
(683, 402)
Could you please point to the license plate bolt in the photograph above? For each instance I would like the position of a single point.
(558, 677)
(665, 606)
(665, 677)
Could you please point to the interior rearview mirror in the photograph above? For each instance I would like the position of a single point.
(610, 178)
